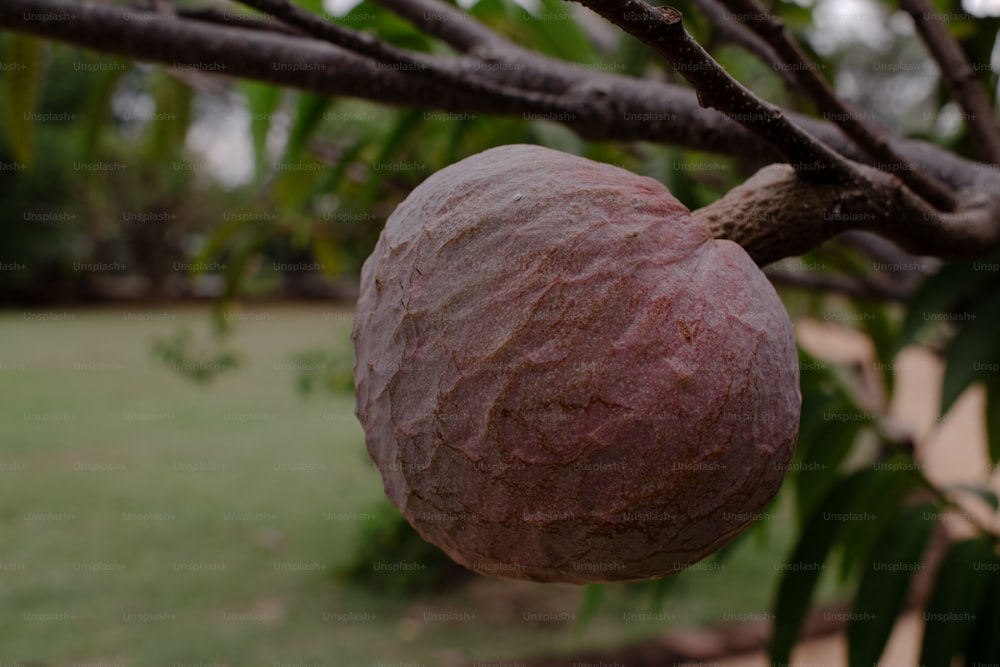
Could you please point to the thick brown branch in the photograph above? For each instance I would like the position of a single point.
(959, 75)
(641, 110)
(870, 138)
(416, 65)
(663, 30)
(837, 284)
(775, 214)
(333, 33)
(299, 62)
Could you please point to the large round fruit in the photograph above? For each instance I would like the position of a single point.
(562, 377)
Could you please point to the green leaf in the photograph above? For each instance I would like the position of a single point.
(823, 455)
(881, 329)
(325, 251)
(937, 295)
(169, 130)
(334, 176)
(262, 100)
(220, 236)
(371, 18)
(983, 647)
(308, 115)
(593, 594)
(993, 418)
(315, 6)
(98, 105)
(884, 585)
(555, 32)
(808, 560)
(975, 348)
(658, 592)
(401, 133)
(881, 501)
(958, 589)
(20, 86)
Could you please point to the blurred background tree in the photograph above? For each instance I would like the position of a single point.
(149, 183)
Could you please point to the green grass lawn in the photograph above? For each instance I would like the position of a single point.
(148, 520)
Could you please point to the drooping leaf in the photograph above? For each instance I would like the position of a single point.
(308, 115)
(262, 100)
(19, 88)
(974, 349)
(882, 331)
(881, 502)
(993, 418)
(173, 108)
(881, 595)
(959, 586)
(97, 110)
(333, 178)
(802, 570)
(983, 647)
(399, 135)
(823, 455)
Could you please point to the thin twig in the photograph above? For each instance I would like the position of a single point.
(414, 65)
(212, 15)
(663, 30)
(904, 270)
(872, 139)
(519, 66)
(836, 284)
(959, 75)
(448, 23)
(334, 33)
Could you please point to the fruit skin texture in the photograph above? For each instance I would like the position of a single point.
(562, 377)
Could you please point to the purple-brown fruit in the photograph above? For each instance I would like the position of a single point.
(562, 376)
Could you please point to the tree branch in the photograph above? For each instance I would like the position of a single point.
(449, 24)
(959, 76)
(837, 284)
(662, 30)
(641, 110)
(811, 213)
(416, 65)
(212, 15)
(616, 108)
(867, 136)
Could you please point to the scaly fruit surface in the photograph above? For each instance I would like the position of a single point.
(561, 375)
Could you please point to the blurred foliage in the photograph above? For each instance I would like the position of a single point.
(324, 370)
(323, 173)
(200, 361)
(392, 559)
